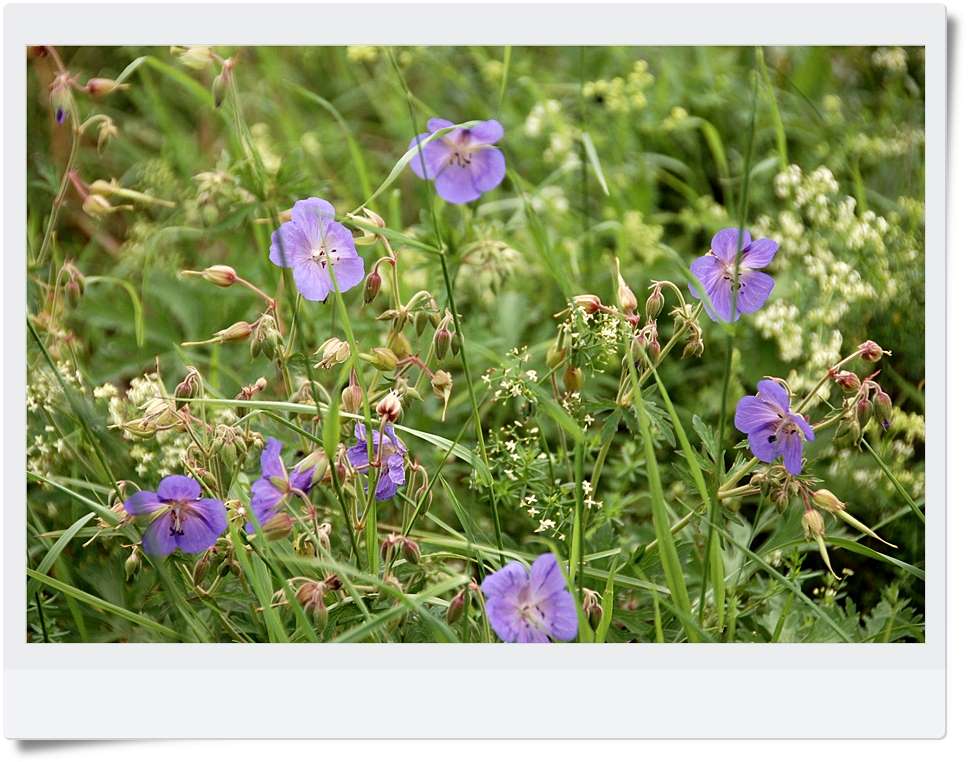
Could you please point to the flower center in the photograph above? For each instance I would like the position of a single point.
(532, 616)
(321, 255)
(178, 510)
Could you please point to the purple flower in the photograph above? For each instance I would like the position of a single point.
(771, 428)
(530, 609)
(305, 243)
(275, 485)
(718, 273)
(463, 163)
(389, 452)
(179, 519)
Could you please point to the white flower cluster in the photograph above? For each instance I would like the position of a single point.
(891, 59)
(622, 94)
(547, 118)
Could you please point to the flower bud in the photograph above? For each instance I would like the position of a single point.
(352, 396)
(654, 348)
(220, 86)
(573, 378)
(221, 275)
(371, 287)
(554, 356)
(626, 297)
(883, 408)
(312, 597)
(278, 526)
(236, 332)
(863, 411)
(383, 358)
(400, 346)
(98, 86)
(190, 386)
(61, 97)
(265, 337)
(194, 57)
(442, 342)
(132, 563)
(388, 546)
(317, 462)
(694, 347)
(389, 407)
(456, 608)
(591, 606)
(813, 524)
(847, 380)
(332, 352)
(201, 568)
(412, 551)
(870, 351)
(588, 302)
(827, 501)
(654, 304)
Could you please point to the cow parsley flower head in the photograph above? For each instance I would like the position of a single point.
(310, 243)
(180, 518)
(275, 485)
(388, 453)
(772, 428)
(463, 163)
(734, 290)
(530, 608)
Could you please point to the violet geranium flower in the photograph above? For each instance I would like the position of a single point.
(180, 518)
(312, 241)
(534, 608)
(463, 163)
(773, 430)
(734, 291)
(276, 484)
(389, 452)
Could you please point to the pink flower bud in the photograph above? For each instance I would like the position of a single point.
(870, 351)
(221, 275)
(389, 407)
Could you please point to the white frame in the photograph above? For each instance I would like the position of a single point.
(102, 691)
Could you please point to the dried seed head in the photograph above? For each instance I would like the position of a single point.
(812, 523)
(332, 352)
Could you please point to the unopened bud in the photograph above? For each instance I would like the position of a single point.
(827, 501)
(132, 563)
(61, 98)
(442, 342)
(554, 356)
(654, 348)
(220, 86)
(588, 302)
(455, 609)
(278, 526)
(332, 352)
(863, 411)
(388, 546)
(883, 408)
(399, 345)
(389, 407)
(591, 606)
(190, 386)
(312, 597)
(352, 397)
(98, 86)
(383, 358)
(221, 275)
(235, 332)
(847, 380)
(195, 57)
(201, 568)
(626, 297)
(654, 304)
(317, 463)
(870, 351)
(107, 132)
(412, 551)
(812, 523)
(97, 205)
(573, 378)
(371, 287)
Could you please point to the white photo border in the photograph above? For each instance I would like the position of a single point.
(467, 690)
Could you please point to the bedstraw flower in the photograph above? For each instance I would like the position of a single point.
(310, 243)
(180, 517)
(530, 608)
(463, 163)
(734, 290)
(772, 429)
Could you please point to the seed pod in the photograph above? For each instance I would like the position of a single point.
(399, 345)
(655, 302)
(456, 608)
(352, 396)
(812, 523)
(442, 342)
(626, 296)
(412, 551)
(883, 408)
(235, 332)
(99, 86)
(383, 358)
(97, 205)
(278, 526)
(332, 352)
(588, 302)
(107, 131)
(220, 86)
(371, 287)
(191, 386)
(863, 412)
(847, 380)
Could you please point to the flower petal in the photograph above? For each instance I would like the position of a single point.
(158, 539)
(435, 155)
(142, 502)
(546, 578)
(265, 496)
(455, 184)
(755, 287)
(712, 274)
(311, 216)
(358, 456)
(754, 413)
(288, 245)
(559, 615)
(301, 480)
(791, 447)
(771, 391)
(202, 526)
(271, 460)
(724, 243)
(759, 253)
(312, 280)
(386, 486)
(508, 580)
(487, 169)
(505, 620)
(763, 444)
(436, 123)
(488, 132)
(178, 488)
(804, 426)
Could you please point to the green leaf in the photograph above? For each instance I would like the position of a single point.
(593, 156)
